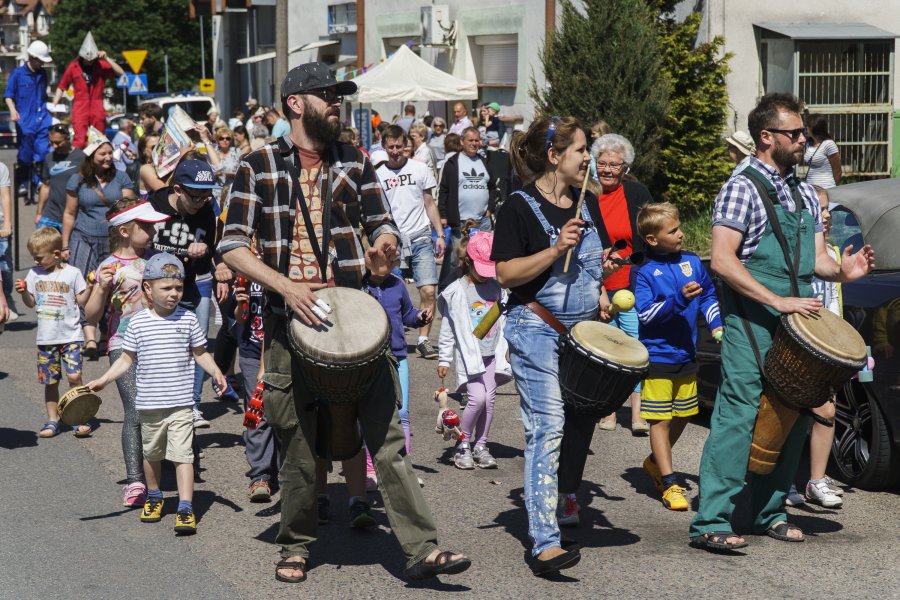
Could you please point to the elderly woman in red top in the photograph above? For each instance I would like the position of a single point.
(620, 201)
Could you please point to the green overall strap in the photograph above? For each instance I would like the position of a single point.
(769, 196)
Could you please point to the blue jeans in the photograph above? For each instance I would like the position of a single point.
(202, 312)
(534, 358)
(421, 259)
(6, 267)
(627, 321)
(45, 222)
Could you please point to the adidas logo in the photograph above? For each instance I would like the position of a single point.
(474, 175)
(657, 272)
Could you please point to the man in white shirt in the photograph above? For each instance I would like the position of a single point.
(462, 120)
(408, 186)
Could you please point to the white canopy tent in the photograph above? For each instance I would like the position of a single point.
(405, 76)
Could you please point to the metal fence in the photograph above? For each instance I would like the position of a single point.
(851, 83)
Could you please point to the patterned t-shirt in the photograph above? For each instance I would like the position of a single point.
(125, 297)
(481, 297)
(55, 304)
(303, 265)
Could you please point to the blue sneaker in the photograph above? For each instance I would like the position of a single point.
(226, 395)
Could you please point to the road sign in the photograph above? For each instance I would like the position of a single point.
(137, 84)
(363, 119)
(135, 58)
(207, 85)
(122, 81)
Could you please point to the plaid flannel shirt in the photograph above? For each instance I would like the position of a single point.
(260, 202)
(739, 206)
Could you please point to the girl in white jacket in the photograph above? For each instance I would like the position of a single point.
(481, 365)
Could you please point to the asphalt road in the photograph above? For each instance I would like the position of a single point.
(65, 534)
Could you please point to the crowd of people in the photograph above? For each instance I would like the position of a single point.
(262, 213)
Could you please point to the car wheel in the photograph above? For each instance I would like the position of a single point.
(862, 449)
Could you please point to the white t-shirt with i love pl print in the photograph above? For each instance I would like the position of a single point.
(58, 317)
(405, 190)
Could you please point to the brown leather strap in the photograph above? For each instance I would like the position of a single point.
(547, 317)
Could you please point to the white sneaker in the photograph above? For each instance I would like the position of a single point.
(13, 315)
(819, 493)
(835, 488)
(199, 421)
(463, 457)
(794, 498)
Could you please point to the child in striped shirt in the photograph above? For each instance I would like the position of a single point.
(165, 340)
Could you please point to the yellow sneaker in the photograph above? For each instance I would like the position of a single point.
(653, 471)
(185, 522)
(152, 512)
(673, 498)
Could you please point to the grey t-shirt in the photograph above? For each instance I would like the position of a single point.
(473, 187)
(480, 298)
(91, 216)
(58, 168)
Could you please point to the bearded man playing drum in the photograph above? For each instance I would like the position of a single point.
(281, 194)
(753, 262)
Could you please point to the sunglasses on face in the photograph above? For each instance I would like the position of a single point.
(793, 134)
(201, 198)
(224, 139)
(328, 95)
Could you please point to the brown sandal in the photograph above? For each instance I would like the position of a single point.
(293, 565)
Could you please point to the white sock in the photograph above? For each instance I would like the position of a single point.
(422, 338)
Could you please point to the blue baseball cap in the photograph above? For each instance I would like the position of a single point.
(195, 174)
(153, 268)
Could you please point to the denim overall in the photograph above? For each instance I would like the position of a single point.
(723, 466)
(534, 358)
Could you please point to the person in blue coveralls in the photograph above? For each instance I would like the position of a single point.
(26, 97)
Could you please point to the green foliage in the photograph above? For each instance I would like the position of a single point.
(154, 25)
(606, 64)
(697, 229)
(693, 159)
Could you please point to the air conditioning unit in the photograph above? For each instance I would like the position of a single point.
(435, 24)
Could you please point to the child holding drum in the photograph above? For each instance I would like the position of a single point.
(56, 291)
(480, 363)
(117, 288)
(670, 289)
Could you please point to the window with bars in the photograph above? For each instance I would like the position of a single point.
(851, 82)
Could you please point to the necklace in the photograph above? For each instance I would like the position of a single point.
(548, 195)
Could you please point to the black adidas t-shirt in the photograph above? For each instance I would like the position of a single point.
(518, 233)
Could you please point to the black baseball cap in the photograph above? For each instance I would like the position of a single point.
(314, 76)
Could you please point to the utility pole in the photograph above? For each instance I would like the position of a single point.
(202, 50)
(281, 43)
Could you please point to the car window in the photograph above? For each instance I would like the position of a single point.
(845, 229)
(196, 109)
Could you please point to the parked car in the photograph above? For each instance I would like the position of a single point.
(112, 123)
(866, 450)
(196, 106)
(7, 130)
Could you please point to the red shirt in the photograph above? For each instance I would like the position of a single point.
(614, 210)
(74, 75)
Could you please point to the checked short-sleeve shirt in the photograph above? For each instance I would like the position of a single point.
(740, 207)
(261, 203)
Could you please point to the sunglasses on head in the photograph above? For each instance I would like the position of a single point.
(548, 143)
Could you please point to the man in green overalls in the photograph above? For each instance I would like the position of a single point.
(750, 256)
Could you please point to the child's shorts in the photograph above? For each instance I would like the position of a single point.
(53, 358)
(168, 433)
(665, 397)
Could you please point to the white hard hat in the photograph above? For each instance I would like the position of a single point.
(39, 50)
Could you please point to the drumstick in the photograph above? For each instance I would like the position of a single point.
(587, 173)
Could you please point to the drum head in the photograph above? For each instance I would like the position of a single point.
(357, 330)
(828, 334)
(78, 405)
(611, 344)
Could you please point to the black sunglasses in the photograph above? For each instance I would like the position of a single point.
(328, 95)
(61, 129)
(794, 134)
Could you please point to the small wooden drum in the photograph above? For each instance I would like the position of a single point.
(810, 358)
(78, 405)
(339, 361)
(599, 365)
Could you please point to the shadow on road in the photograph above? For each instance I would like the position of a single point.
(11, 439)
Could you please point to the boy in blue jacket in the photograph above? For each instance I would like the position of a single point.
(670, 288)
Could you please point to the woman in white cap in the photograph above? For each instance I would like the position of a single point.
(740, 148)
(90, 193)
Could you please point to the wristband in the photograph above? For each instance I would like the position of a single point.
(64, 248)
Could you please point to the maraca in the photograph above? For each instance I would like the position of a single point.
(622, 301)
(20, 285)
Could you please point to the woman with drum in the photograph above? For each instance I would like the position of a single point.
(620, 201)
(537, 227)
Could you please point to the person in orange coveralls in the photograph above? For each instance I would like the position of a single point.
(88, 74)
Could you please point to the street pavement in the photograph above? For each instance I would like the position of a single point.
(66, 535)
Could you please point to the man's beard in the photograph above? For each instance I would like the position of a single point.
(784, 157)
(319, 127)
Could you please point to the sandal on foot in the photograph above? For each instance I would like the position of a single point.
(443, 565)
(717, 540)
(567, 559)
(51, 426)
(82, 433)
(780, 531)
(298, 565)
